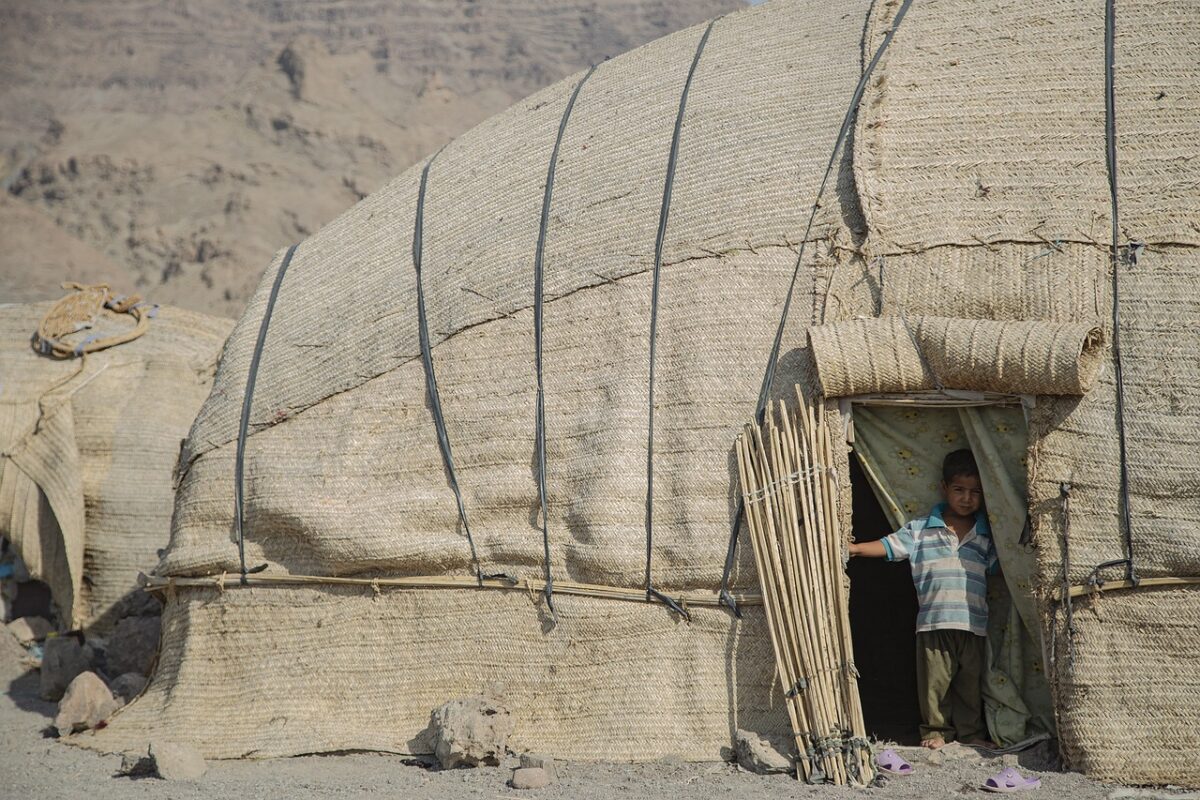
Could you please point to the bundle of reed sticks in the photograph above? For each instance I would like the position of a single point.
(790, 495)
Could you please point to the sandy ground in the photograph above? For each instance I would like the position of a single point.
(33, 766)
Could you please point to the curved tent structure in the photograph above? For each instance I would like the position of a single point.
(88, 447)
(490, 439)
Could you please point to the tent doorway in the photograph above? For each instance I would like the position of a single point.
(883, 614)
(898, 445)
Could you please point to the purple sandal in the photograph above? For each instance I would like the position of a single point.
(1009, 780)
(889, 761)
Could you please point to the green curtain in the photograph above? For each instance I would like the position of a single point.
(901, 450)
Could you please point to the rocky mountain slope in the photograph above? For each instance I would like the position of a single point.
(172, 147)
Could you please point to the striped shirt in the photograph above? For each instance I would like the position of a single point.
(950, 576)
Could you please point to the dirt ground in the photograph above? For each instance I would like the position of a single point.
(32, 765)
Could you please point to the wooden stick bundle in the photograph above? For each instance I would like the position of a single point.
(790, 498)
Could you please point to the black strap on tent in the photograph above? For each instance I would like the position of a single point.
(663, 214)
(1110, 138)
(537, 333)
(1064, 490)
(769, 376)
(239, 518)
(431, 387)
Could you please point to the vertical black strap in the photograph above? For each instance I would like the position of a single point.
(431, 387)
(239, 520)
(537, 334)
(663, 214)
(1110, 139)
(769, 376)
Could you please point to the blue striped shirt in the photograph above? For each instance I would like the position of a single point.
(950, 576)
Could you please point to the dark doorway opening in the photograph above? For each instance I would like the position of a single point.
(883, 615)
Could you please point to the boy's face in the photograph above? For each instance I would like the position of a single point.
(964, 494)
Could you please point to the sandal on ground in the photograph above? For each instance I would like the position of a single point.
(1009, 780)
(889, 761)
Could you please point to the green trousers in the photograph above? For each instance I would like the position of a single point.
(949, 685)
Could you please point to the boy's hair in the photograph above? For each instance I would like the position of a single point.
(960, 463)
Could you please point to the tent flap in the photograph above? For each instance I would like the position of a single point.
(909, 354)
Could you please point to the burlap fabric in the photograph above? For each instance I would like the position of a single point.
(88, 449)
(980, 172)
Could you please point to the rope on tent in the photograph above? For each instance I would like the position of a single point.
(1110, 141)
(431, 386)
(239, 513)
(663, 214)
(78, 311)
(769, 376)
(538, 272)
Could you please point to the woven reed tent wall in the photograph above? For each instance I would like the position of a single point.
(973, 186)
(88, 450)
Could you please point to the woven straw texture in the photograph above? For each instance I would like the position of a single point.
(87, 451)
(903, 354)
(344, 476)
(974, 189)
(1133, 686)
(344, 665)
(343, 471)
(984, 188)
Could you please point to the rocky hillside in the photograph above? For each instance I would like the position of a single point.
(171, 147)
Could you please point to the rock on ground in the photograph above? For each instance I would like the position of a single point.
(86, 703)
(30, 629)
(469, 732)
(543, 762)
(530, 778)
(168, 760)
(128, 686)
(62, 660)
(132, 645)
(760, 753)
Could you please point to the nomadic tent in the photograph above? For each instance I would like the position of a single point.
(89, 441)
(490, 439)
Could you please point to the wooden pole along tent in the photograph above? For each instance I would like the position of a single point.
(516, 373)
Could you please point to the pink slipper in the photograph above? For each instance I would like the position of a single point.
(889, 761)
(1009, 780)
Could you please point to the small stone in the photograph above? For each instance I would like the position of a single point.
(541, 762)
(30, 629)
(530, 778)
(85, 705)
(63, 658)
(128, 686)
(936, 758)
(469, 732)
(177, 762)
(761, 754)
(132, 645)
(135, 764)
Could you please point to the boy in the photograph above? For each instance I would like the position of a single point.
(951, 553)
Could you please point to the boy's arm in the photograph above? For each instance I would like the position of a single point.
(868, 549)
(894, 547)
